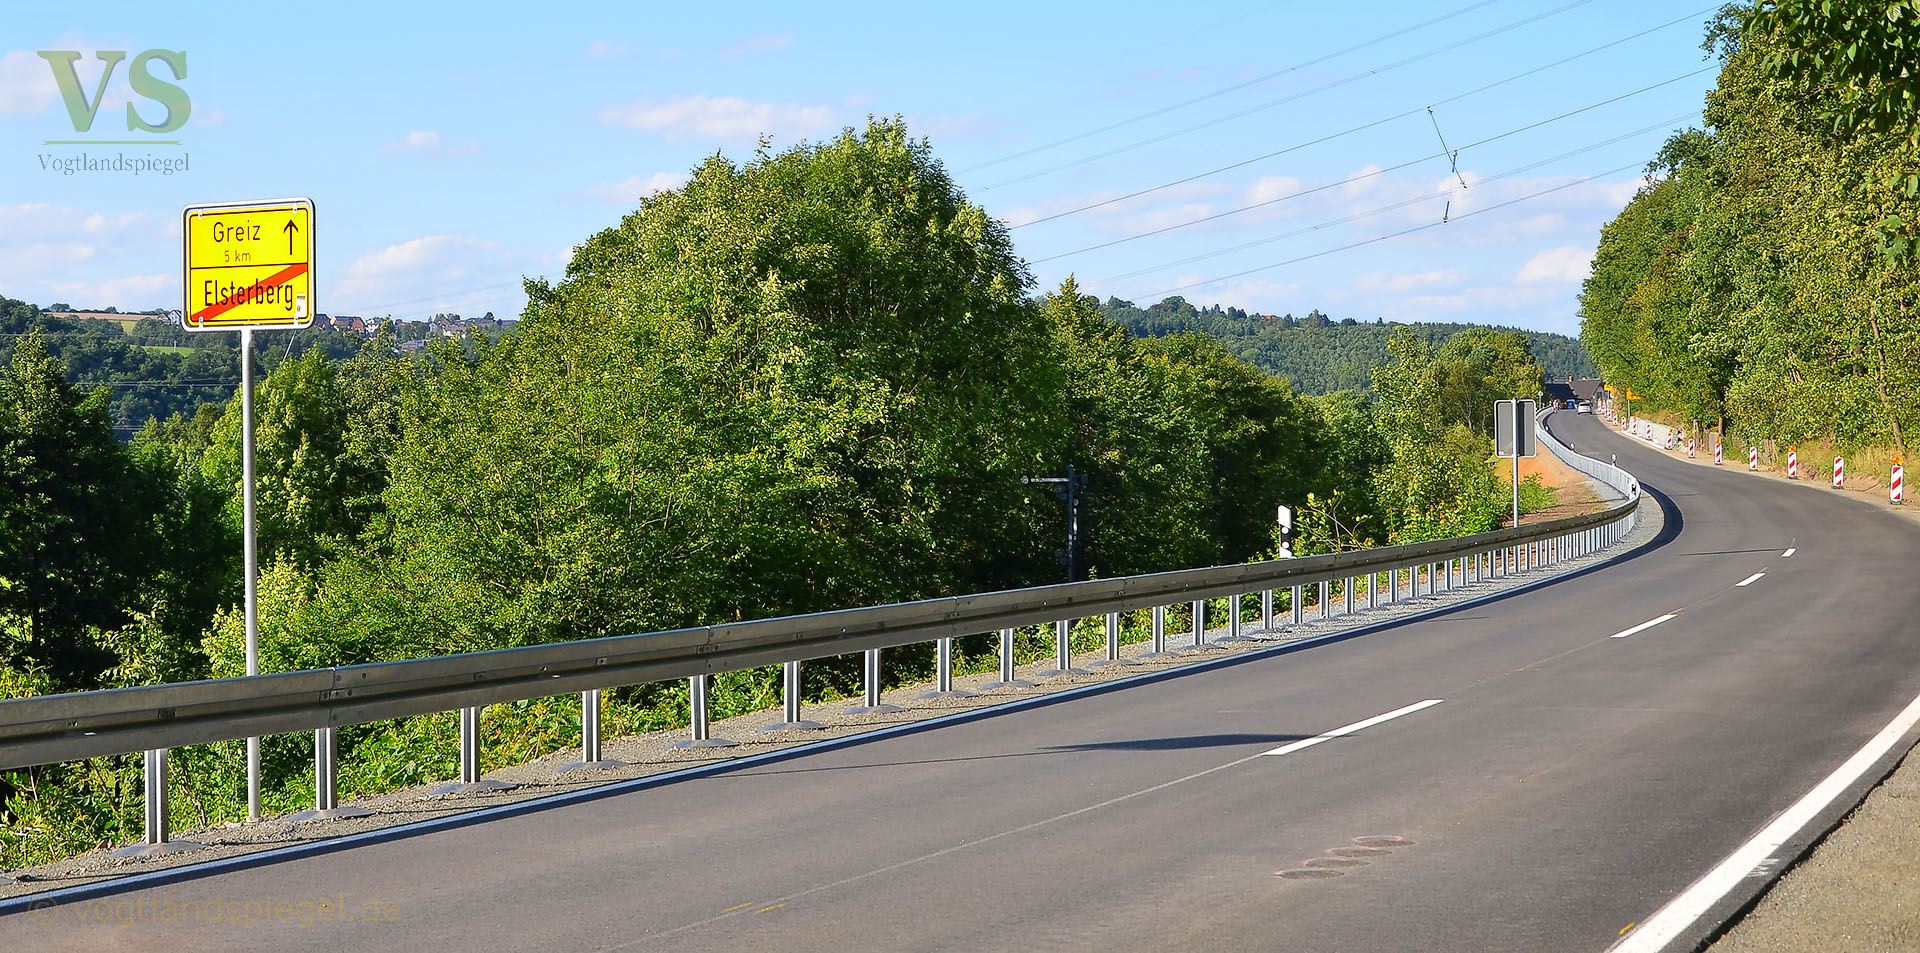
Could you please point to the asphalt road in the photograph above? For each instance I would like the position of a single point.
(1565, 785)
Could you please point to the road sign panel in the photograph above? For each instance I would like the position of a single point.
(1511, 417)
(247, 265)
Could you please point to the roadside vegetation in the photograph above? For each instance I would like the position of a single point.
(810, 380)
(1763, 285)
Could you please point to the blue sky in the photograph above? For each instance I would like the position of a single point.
(450, 152)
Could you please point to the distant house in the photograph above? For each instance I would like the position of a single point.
(1573, 389)
(102, 316)
(408, 347)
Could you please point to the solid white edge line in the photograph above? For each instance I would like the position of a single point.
(1644, 626)
(1681, 912)
(1750, 580)
(1356, 726)
(1789, 553)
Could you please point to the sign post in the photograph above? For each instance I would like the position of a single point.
(248, 266)
(1513, 437)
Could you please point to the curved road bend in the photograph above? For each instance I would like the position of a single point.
(1566, 784)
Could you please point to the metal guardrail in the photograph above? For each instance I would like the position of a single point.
(152, 719)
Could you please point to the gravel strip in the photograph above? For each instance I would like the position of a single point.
(654, 753)
(1858, 891)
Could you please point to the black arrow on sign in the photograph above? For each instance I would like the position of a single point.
(291, 231)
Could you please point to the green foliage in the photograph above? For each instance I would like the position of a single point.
(1438, 482)
(65, 487)
(1857, 56)
(1761, 282)
(1321, 355)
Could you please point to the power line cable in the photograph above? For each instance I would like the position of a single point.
(1430, 197)
(1365, 126)
(1158, 45)
(1371, 173)
(1270, 104)
(1399, 234)
(1255, 81)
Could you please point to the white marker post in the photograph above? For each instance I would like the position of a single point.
(248, 266)
(1513, 437)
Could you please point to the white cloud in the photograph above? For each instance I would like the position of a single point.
(1023, 214)
(633, 187)
(418, 277)
(1271, 187)
(431, 142)
(419, 139)
(1251, 293)
(128, 293)
(1563, 265)
(948, 128)
(719, 117)
(1363, 179)
(763, 43)
(1380, 282)
(605, 50)
(26, 84)
(1154, 219)
(47, 252)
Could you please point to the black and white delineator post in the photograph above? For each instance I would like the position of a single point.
(1513, 437)
(1286, 532)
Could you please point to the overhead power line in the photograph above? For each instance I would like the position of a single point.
(1159, 44)
(1236, 87)
(1399, 234)
(1295, 97)
(1368, 125)
(1429, 197)
(1371, 173)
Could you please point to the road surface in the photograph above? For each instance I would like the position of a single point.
(1553, 785)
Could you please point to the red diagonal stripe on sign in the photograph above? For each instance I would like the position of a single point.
(280, 277)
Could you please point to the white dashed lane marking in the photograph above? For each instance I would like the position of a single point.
(1644, 626)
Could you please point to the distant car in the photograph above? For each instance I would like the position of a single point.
(1585, 407)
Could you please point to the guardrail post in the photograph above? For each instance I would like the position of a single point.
(790, 719)
(1113, 644)
(1006, 665)
(698, 735)
(1347, 587)
(591, 758)
(1062, 651)
(1298, 608)
(470, 780)
(870, 687)
(1326, 599)
(154, 792)
(1233, 621)
(1199, 626)
(943, 672)
(1373, 588)
(1159, 647)
(1266, 611)
(326, 782)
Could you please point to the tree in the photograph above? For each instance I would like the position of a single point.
(73, 544)
(809, 381)
(1859, 55)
